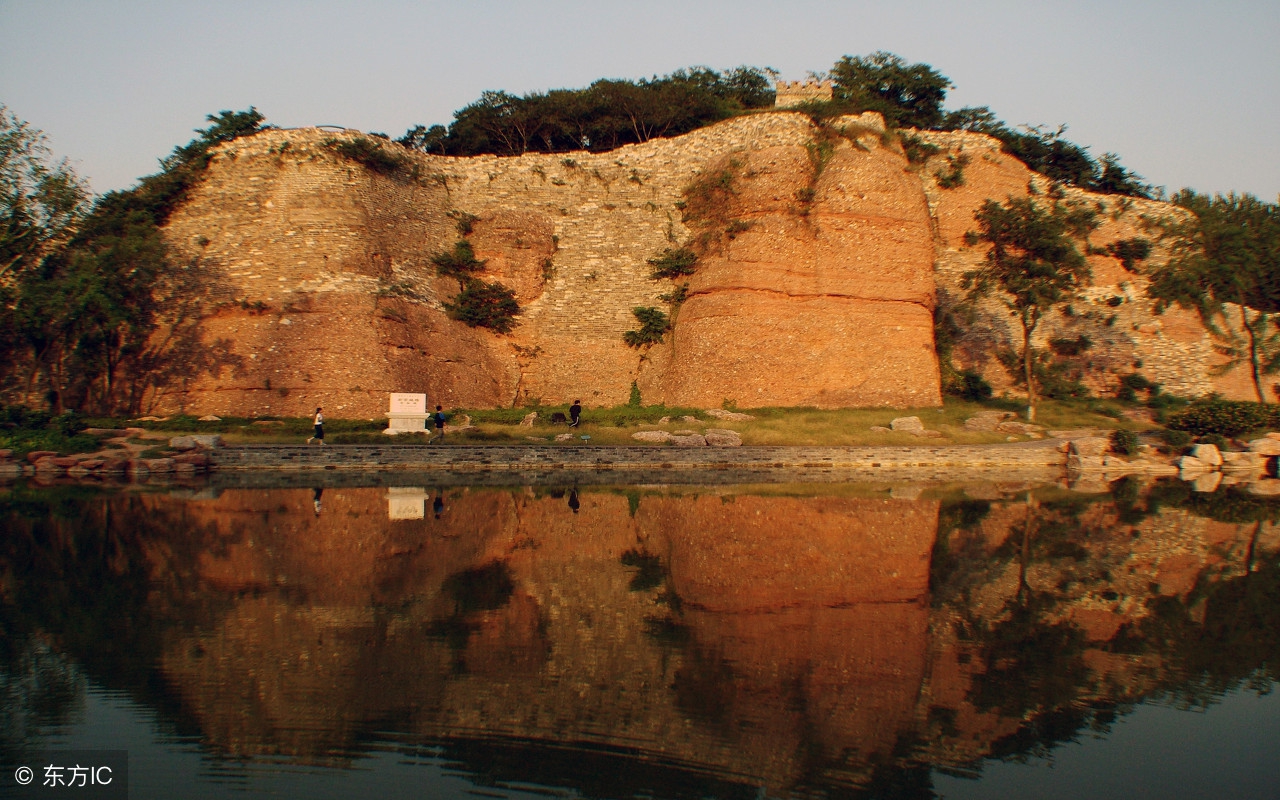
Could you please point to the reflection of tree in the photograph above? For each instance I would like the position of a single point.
(1224, 634)
(79, 573)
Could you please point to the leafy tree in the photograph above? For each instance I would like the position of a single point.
(1032, 262)
(107, 320)
(909, 95)
(484, 305)
(1227, 253)
(673, 263)
(41, 200)
(426, 140)
(461, 264)
(606, 115)
(654, 324)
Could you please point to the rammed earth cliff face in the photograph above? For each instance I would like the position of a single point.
(822, 263)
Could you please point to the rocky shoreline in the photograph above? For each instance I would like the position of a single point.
(1081, 458)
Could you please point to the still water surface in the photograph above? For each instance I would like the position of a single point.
(648, 641)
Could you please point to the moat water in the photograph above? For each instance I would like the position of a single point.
(646, 641)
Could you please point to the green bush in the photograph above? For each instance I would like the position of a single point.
(673, 263)
(1175, 439)
(653, 326)
(634, 400)
(1216, 439)
(459, 264)
(485, 305)
(1224, 417)
(973, 387)
(953, 176)
(374, 155)
(1124, 442)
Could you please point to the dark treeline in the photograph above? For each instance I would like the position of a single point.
(614, 112)
(97, 315)
(605, 115)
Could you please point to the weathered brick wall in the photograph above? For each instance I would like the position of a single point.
(1172, 349)
(336, 301)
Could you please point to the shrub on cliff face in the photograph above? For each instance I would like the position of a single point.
(673, 263)
(376, 155)
(484, 305)
(461, 264)
(653, 326)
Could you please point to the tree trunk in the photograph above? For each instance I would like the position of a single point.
(1026, 365)
(1253, 352)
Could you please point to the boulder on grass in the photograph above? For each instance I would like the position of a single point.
(717, 437)
(1092, 446)
(907, 425)
(651, 436)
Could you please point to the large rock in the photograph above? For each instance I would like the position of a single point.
(182, 443)
(1265, 446)
(651, 436)
(716, 437)
(1191, 465)
(1208, 482)
(1243, 461)
(727, 416)
(907, 425)
(986, 421)
(1093, 446)
(688, 440)
(1019, 427)
(1207, 453)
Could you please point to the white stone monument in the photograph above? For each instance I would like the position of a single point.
(408, 414)
(406, 502)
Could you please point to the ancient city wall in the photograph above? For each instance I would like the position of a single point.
(817, 283)
(333, 299)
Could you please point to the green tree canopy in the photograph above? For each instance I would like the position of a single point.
(106, 317)
(41, 199)
(1227, 252)
(908, 95)
(1032, 263)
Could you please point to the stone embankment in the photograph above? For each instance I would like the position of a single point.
(1043, 459)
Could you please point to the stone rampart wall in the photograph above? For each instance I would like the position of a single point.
(335, 301)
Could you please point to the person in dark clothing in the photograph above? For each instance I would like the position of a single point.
(439, 418)
(573, 500)
(575, 412)
(316, 494)
(437, 505)
(319, 423)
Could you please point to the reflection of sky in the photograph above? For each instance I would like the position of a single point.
(162, 765)
(1232, 749)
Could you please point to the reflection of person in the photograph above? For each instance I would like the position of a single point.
(437, 505)
(575, 411)
(439, 418)
(319, 423)
(573, 500)
(315, 498)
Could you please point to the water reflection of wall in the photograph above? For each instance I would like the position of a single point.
(785, 640)
(774, 621)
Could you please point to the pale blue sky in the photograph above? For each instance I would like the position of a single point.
(1188, 93)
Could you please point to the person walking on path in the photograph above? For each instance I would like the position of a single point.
(575, 413)
(319, 423)
(439, 418)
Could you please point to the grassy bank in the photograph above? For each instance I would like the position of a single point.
(614, 425)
